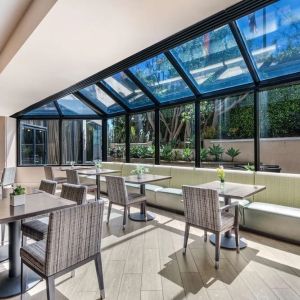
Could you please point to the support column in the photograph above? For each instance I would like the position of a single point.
(157, 136)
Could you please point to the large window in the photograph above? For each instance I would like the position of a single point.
(39, 142)
(177, 135)
(142, 137)
(116, 139)
(227, 131)
(82, 141)
(280, 129)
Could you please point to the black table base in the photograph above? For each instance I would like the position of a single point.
(140, 217)
(11, 286)
(3, 253)
(228, 242)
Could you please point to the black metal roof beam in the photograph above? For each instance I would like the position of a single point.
(143, 88)
(58, 108)
(182, 74)
(244, 51)
(105, 89)
(89, 103)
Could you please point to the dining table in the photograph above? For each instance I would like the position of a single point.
(98, 174)
(142, 180)
(77, 168)
(37, 203)
(232, 191)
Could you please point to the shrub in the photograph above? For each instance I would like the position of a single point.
(166, 152)
(203, 154)
(187, 154)
(233, 153)
(216, 151)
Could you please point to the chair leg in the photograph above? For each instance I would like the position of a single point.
(128, 210)
(72, 273)
(98, 265)
(50, 288)
(124, 217)
(108, 211)
(145, 210)
(205, 236)
(217, 250)
(2, 234)
(237, 239)
(186, 237)
(23, 280)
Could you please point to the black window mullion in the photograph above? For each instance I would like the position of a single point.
(104, 139)
(182, 73)
(197, 134)
(114, 96)
(244, 51)
(142, 87)
(256, 131)
(127, 137)
(89, 103)
(58, 108)
(157, 136)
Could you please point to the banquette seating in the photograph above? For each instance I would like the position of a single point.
(275, 211)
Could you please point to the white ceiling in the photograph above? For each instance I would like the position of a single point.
(78, 38)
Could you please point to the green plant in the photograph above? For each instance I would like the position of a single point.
(98, 164)
(19, 190)
(233, 153)
(216, 151)
(150, 151)
(249, 167)
(204, 154)
(166, 152)
(187, 154)
(177, 155)
(221, 173)
(140, 170)
(209, 132)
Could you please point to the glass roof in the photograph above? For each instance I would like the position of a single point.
(161, 78)
(130, 94)
(71, 106)
(101, 99)
(272, 35)
(48, 109)
(213, 61)
(269, 41)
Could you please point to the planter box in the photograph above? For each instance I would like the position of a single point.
(17, 200)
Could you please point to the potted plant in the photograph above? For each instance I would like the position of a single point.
(98, 165)
(72, 163)
(233, 153)
(140, 171)
(17, 197)
(216, 151)
(221, 175)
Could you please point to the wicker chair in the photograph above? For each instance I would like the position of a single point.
(73, 178)
(117, 194)
(7, 180)
(49, 173)
(37, 229)
(74, 239)
(48, 186)
(202, 209)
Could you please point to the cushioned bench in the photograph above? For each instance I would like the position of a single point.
(276, 211)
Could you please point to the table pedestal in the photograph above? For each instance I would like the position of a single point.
(228, 242)
(10, 281)
(140, 216)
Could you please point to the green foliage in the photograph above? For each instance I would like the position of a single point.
(140, 170)
(187, 154)
(204, 154)
(216, 151)
(209, 132)
(177, 155)
(19, 190)
(233, 153)
(249, 167)
(166, 152)
(142, 151)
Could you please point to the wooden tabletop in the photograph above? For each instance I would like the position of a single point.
(146, 178)
(35, 204)
(233, 190)
(94, 171)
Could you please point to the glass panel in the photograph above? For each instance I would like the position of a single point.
(45, 110)
(227, 127)
(38, 142)
(177, 135)
(128, 90)
(162, 79)
(280, 129)
(272, 35)
(213, 61)
(142, 129)
(71, 106)
(100, 98)
(116, 138)
(82, 141)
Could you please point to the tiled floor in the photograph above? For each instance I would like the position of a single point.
(146, 262)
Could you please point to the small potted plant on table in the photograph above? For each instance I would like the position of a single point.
(140, 171)
(17, 197)
(221, 175)
(98, 165)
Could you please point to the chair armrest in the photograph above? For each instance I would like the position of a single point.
(233, 204)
